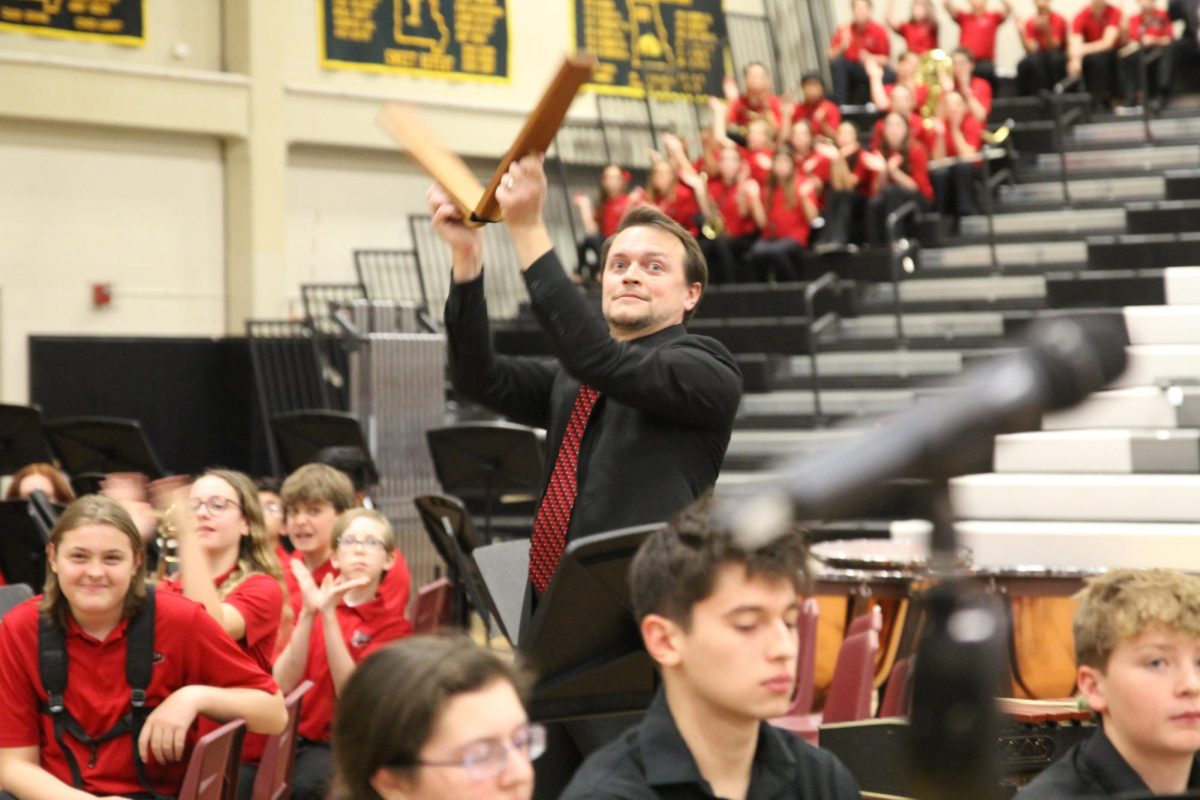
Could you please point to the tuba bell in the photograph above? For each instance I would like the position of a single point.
(935, 66)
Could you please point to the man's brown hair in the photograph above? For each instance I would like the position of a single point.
(318, 483)
(676, 567)
(1123, 604)
(695, 268)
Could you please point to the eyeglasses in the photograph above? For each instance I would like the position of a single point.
(215, 505)
(272, 508)
(484, 760)
(369, 542)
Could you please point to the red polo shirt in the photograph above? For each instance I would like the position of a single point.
(972, 131)
(609, 214)
(919, 37)
(724, 197)
(190, 648)
(681, 206)
(1157, 24)
(784, 222)
(982, 91)
(920, 92)
(741, 111)
(814, 165)
(803, 112)
(978, 33)
(916, 131)
(365, 628)
(1091, 26)
(394, 587)
(918, 170)
(759, 162)
(873, 38)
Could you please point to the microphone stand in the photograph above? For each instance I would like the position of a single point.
(957, 674)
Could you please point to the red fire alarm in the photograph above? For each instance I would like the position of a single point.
(101, 295)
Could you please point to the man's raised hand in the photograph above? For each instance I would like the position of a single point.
(466, 244)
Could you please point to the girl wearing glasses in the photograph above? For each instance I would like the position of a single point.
(342, 621)
(435, 718)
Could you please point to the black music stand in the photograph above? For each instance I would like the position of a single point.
(21, 439)
(486, 460)
(582, 640)
(301, 435)
(23, 538)
(452, 534)
(91, 447)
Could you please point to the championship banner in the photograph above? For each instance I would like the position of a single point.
(456, 39)
(672, 48)
(112, 21)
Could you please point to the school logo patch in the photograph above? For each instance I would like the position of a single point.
(158, 658)
(359, 639)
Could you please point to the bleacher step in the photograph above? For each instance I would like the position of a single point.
(1065, 223)
(785, 404)
(1032, 547)
(1160, 364)
(1178, 324)
(1104, 288)
(1102, 451)
(1146, 187)
(985, 288)
(948, 326)
(1182, 286)
(750, 449)
(1126, 158)
(898, 363)
(1008, 254)
(1102, 498)
(1135, 130)
(1142, 407)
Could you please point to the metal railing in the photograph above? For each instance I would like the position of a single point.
(900, 261)
(1060, 136)
(826, 283)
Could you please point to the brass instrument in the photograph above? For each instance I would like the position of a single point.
(168, 545)
(934, 67)
(714, 223)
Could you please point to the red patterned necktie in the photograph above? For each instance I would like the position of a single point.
(554, 514)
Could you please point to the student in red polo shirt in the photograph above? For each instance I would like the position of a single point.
(1092, 50)
(1044, 36)
(818, 112)
(785, 218)
(227, 564)
(957, 135)
(919, 31)
(1151, 29)
(810, 164)
(95, 585)
(902, 104)
(313, 496)
(758, 103)
(600, 222)
(977, 33)
(860, 40)
(668, 194)
(850, 181)
(901, 167)
(728, 194)
(906, 76)
(974, 90)
(353, 622)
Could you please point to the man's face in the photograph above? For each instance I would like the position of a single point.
(813, 93)
(963, 68)
(1149, 695)
(737, 659)
(758, 82)
(645, 284)
(862, 12)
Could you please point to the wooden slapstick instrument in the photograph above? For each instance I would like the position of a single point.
(478, 204)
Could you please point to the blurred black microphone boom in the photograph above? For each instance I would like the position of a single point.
(1064, 360)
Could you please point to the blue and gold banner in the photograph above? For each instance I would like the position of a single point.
(458, 39)
(112, 21)
(673, 48)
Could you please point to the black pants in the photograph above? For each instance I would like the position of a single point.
(954, 190)
(1100, 77)
(726, 256)
(313, 773)
(1038, 72)
(986, 69)
(1185, 59)
(883, 204)
(778, 259)
(851, 86)
(1157, 74)
(844, 212)
(588, 251)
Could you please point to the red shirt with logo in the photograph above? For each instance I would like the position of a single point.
(724, 197)
(190, 648)
(741, 111)
(873, 38)
(919, 37)
(1091, 25)
(978, 33)
(784, 222)
(365, 628)
(1156, 24)
(1054, 39)
(394, 587)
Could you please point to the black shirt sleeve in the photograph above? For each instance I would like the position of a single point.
(693, 380)
(518, 388)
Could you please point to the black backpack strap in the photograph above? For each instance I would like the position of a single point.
(139, 666)
(52, 669)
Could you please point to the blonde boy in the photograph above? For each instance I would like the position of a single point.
(1137, 645)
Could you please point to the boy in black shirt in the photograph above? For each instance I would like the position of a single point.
(720, 620)
(1137, 643)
